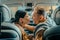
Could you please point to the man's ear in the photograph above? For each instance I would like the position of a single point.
(41, 17)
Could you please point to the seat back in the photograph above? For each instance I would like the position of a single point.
(52, 33)
(5, 12)
(10, 26)
(9, 35)
(40, 27)
(8, 31)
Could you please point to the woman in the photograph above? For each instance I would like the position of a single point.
(22, 20)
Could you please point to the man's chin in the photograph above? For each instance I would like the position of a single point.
(35, 23)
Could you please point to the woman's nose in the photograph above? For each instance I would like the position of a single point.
(29, 17)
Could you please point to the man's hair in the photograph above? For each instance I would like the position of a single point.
(40, 11)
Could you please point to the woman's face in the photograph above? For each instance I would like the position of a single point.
(26, 19)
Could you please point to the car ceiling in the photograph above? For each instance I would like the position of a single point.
(24, 2)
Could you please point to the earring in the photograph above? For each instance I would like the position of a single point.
(22, 22)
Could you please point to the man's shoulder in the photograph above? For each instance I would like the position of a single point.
(50, 21)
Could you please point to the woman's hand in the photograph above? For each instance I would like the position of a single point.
(30, 28)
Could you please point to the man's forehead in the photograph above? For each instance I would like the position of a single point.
(34, 12)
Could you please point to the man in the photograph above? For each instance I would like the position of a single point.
(39, 18)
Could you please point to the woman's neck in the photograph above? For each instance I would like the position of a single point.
(20, 24)
(17, 24)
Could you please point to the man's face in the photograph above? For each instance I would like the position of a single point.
(35, 17)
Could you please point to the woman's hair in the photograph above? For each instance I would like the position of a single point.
(19, 14)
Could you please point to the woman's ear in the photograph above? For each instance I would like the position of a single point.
(20, 20)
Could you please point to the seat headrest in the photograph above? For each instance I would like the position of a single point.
(57, 18)
(5, 11)
(56, 15)
(52, 34)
